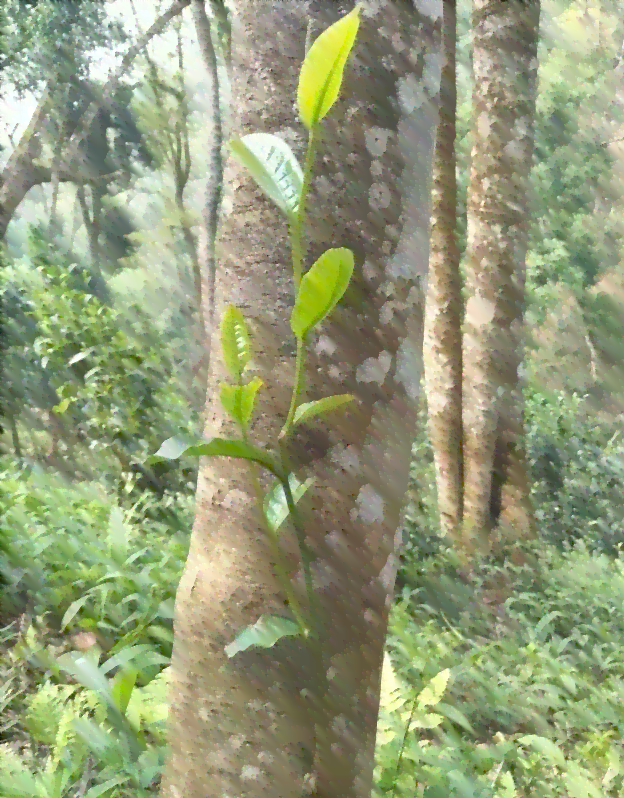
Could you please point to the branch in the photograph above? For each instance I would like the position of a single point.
(109, 89)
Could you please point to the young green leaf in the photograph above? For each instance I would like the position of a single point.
(274, 167)
(265, 633)
(322, 70)
(122, 687)
(313, 409)
(275, 505)
(434, 691)
(320, 290)
(248, 399)
(174, 448)
(230, 396)
(235, 341)
(239, 400)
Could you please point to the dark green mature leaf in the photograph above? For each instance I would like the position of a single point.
(265, 633)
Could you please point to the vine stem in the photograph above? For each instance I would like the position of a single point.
(295, 235)
(280, 565)
(303, 548)
(297, 389)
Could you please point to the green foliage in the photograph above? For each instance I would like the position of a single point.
(533, 706)
(90, 564)
(70, 353)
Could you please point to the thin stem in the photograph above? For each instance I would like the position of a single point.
(402, 751)
(280, 565)
(295, 236)
(303, 548)
(297, 389)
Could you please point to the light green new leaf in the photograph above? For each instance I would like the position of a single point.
(248, 398)
(434, 691)
(275, 505)
(122, 687)
(430, 720)
(313, 409)
(547, 748)
(320, 290)
(274, 167)
(321, 73)
(173, 448)
(239, 400)
(265, 633)
(230, 396)
(235, 341)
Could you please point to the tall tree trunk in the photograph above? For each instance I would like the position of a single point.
(206, 254)
(443, 316)
(505, 73)
(283, 720)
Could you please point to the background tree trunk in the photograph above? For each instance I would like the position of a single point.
(246, 727)
(443, 316)
(505, 75)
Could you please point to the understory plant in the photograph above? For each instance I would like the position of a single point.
(278, 173)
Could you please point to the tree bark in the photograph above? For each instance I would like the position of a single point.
(206, 254)
(291, 718)
(505, 73)
(443, 316)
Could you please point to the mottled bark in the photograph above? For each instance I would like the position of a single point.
(247, 727)
(443, 316)
(505, 73)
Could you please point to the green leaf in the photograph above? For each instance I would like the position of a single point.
(235, 341)
(429, 720)
(265, 633)
(107, 786)
(322, 70)
(122, 688)
(313, 409)
(174, 448)
(230, 396)
(320, 290)
(62, 406)
(274, 167)
(547, 748)
(434, 691)
(73, 609)
(239, 400)
(275, 504)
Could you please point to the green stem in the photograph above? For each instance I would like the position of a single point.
(297, 389)
(306, 560)
(280, 565)
(295, 235)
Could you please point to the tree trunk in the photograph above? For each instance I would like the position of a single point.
(505, 73)
(206, 255)
(443, 317)
(290, 718)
